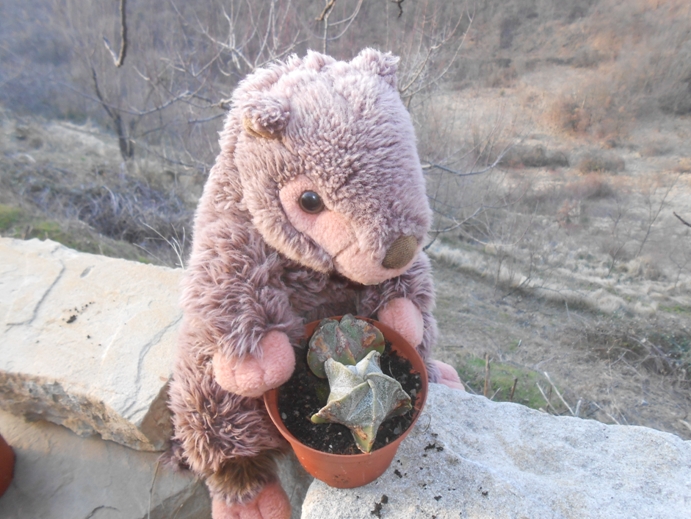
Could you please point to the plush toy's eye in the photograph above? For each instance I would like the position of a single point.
(311, 202)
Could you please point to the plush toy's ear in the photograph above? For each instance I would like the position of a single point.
(266, 115)
(316, 61)
(383, 64)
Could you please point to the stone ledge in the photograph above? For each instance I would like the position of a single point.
(472, 458)
(59, 475)
(87, 341)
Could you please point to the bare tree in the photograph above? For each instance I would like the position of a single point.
(343, 24)
(119, 59)
(654, 208)
(182, 63)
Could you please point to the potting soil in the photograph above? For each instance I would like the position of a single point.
(305, 394)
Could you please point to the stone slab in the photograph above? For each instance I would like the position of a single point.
(469, 457)
(87, 341)
(59, 475)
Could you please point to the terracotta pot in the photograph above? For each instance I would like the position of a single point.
(353, 470)
(6, 465)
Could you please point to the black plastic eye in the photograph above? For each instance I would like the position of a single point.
(311, 202)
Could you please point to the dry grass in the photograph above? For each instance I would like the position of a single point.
(600, 162)
(537, 156)
(656, 148)
(67, 183)
(647, 349)
(531, 339)
(593, 186)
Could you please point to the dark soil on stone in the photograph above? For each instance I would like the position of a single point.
(305, 394)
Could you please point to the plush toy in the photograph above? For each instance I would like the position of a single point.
(316, 206)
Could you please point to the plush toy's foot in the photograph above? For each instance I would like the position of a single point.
(250, 376)
(271, 503)
(449, 376)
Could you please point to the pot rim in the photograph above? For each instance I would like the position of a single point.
(412, 355)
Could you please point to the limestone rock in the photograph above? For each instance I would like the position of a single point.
(60, 475)
(295, 481)
(469, 457)
(87, 341)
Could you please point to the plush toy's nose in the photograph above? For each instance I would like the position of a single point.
(400, 252)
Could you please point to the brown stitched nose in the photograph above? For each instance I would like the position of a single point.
(400, 253)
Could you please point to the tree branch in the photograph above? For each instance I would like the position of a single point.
(97, 90)
(326, 11)
(124, 142)
(431, 165)
(399, 3)
(681, 219)
(119, 59)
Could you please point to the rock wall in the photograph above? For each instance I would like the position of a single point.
(87, 341)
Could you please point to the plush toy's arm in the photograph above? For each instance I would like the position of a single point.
(253, 376)
(401, 314)
(405, 303)
(233, 285)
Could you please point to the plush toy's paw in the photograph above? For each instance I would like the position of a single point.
(449, 376)
(404, 317)
(250, 376)
(271, 503)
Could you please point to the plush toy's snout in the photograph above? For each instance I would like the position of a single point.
(400, 252)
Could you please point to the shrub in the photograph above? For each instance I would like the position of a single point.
(535, 157)
(656, 148)
(677, 101)
(569, 116)
(9, 216)
(507, 31)
(504, 77)
(587, 58)
(591, 187)
(600, 162)
(596, 109)
(684, 165)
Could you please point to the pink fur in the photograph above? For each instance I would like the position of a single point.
(448, 376)
(261, 268)
(357, 264)
(382, 64)
(251, 376)
(331, 230)
(271, 503)
(404, 317)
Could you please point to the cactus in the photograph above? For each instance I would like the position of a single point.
(347, 342)
(361, 396)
